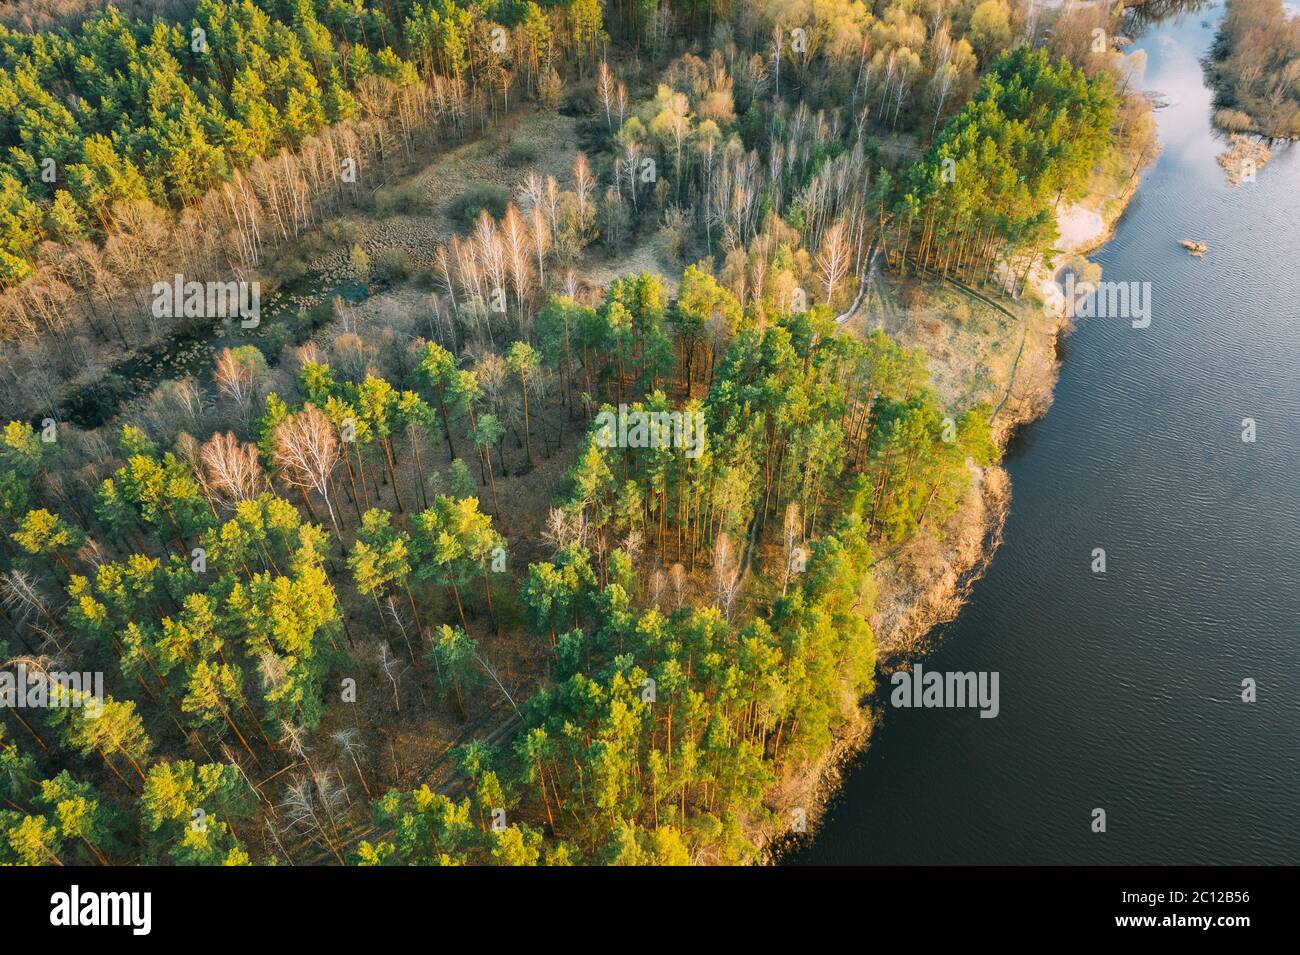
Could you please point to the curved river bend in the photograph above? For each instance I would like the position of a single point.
(1123, 691)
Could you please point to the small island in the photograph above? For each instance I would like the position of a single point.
(1244, 158)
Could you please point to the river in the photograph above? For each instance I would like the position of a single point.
(1123, 691)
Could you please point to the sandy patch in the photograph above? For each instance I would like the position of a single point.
(1078, 227)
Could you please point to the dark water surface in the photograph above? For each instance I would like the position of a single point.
(302, 305)
(1123, 691)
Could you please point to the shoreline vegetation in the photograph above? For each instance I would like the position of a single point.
(908, 622)
(1244, 158)
(431, 619)
(1254, 67)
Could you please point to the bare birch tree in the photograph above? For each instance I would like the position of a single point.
(231, 468)
(306, 452)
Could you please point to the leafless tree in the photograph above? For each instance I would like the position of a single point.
(658, 580)
(26, 605)
(533, 192)
(306, 453)
(495, 677)
(632, 545)
(309, 805)
(516, 242)
(726, 575)
(583, 183)
(793, 552)
(541, 239)
(272, 669)
(563, 528)
(237, 376)
(606, 87)
(778, 41)
(678, 574)
(833, 259)
(350, 746)
(231, 468)
(394, 612)
(393, 667)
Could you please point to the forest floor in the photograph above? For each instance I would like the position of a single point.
(416, 212)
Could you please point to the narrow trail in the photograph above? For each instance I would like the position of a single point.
(981, 297)
(864, 286)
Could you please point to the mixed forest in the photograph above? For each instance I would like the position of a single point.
(371, 588)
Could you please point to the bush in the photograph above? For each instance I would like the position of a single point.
(914, 296)
(578, 100)
(342, 232)
(399, 200)
(423, 278)
(290, 268)
(275, 339)
(466, 207)
(521, 154)
(673, 234)
(391, 265)
(550, 88)
(1232, 120)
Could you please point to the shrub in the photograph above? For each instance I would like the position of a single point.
(1232, 120)
(521, 154)
(391, 265)
(914, 296)
(290, 268)
(550, 88)
(274, 340)
(399, 200)
(342, 232)
(578, 100)
(466, 207)
(673, 234)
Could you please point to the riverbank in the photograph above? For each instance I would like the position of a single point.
(1250, 68)
(923, 583)
(1118, 690)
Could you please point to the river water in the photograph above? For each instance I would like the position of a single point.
(1123, 691)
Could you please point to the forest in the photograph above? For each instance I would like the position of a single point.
(1256, 67)
(373, 587)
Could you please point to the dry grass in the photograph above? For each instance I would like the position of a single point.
(427, 219)
(598, 273)
(972, 348)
